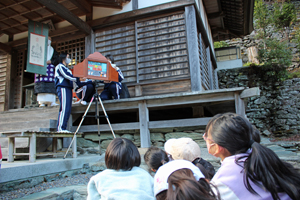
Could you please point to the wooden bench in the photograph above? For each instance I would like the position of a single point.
(32, 135)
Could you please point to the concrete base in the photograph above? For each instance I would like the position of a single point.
(23, 169)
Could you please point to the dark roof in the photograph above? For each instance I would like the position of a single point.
(229, 18)
(14, 14)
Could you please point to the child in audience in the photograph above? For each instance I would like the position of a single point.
(187, 149)
(181, 180)
(123, 179)
(155, 157)
(249, 170)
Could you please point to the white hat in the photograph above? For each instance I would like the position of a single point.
(163, 173)
(183, 148)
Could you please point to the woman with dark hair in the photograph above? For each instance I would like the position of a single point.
(249, 170)
(123, 179)
(181, 180)
(64, 85)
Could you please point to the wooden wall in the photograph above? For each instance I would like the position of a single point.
(151, 52)
(3, 68)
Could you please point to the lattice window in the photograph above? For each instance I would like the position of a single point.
(19, 78)
(75, 48)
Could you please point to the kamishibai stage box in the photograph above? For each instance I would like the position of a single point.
(96, 67)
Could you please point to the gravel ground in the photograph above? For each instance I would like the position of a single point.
(67, 181)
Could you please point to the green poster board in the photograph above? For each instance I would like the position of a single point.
(37, 48)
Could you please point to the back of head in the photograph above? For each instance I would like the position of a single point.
(178, 179)
(122, 154)
(155, 157)
(183, 148)
(262, 166)
(110, 57)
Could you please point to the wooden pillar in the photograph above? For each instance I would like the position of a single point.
(7, 83)
(239, 105)
(135, 4)
(210, 71)
(74, 147)
(54, 144)
(144, 125)
(216, 78)
(136, 52)
(32, 148)
(90, 44)
(138, 90)
(11, 149)
(192, 46)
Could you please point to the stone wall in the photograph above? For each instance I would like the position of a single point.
(248, 44)
(277, 109)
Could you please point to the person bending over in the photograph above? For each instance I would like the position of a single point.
(112, 89)
(86, 92)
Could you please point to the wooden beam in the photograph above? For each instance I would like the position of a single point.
(83, 5)
(192, 46)
(107, 5)
(136, 14)
(250, 92)
(144, 125)
(105, 127)
(7, 83)
(210, 68)
(89, 44)
(239, 105)
(5, 48)
(66, 14)
(135, 4)
(215, 15)
(179, 123)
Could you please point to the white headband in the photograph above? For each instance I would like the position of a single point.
(163, 173)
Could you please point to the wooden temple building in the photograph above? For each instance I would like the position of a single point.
(163, 47)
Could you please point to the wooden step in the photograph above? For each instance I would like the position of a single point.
(19, 115)
(35, 125)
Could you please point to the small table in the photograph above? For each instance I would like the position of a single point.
(32, 135)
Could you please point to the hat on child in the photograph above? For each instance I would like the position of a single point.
(183, 148)
(163, 173)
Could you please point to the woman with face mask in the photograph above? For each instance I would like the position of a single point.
(64, 85)
(248, 170)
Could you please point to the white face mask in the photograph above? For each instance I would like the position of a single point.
(68, 60)
(49, 42)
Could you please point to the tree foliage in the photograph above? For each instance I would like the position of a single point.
(272, 23)
(220, 44)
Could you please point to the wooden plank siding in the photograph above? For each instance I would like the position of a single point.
(151, 52)
(3, 68)
(120, 42)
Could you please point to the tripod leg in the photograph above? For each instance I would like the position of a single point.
(79, 127)
(98, 121)
(106, 117)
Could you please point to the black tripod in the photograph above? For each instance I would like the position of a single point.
(98, 100)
